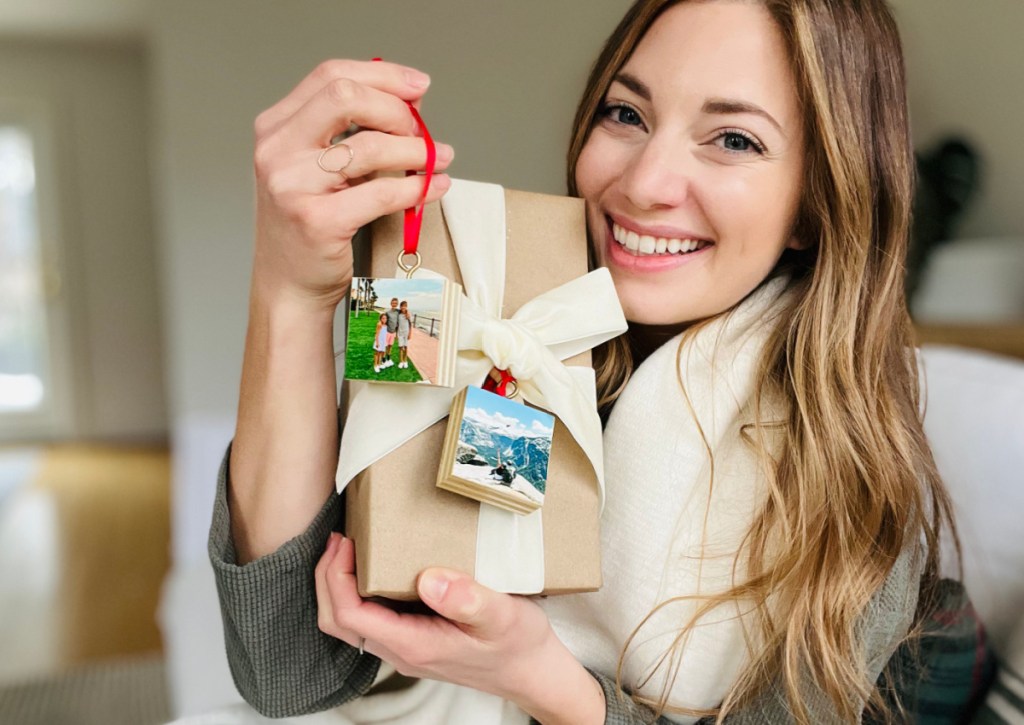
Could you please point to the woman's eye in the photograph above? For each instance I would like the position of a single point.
(621, 113)
(736, 142)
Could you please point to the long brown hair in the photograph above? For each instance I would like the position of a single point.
(853, 484)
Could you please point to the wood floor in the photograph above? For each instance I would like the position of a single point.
(93, 528)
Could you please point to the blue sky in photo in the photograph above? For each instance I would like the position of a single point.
(423, 295)
(507, 413)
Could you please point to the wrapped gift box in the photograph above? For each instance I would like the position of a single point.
(400, 521)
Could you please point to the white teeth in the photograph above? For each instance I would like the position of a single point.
(646, 244)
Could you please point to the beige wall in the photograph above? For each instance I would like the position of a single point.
(965, 68)
(98, 100)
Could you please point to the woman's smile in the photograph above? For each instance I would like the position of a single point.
(635, 248)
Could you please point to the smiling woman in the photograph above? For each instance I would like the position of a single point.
(772, 518)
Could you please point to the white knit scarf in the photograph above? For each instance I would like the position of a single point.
(668, 530)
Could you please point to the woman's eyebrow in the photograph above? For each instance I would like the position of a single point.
(634, 84)
(727, 106)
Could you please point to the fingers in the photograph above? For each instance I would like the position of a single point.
(359, 205)
(338, 105)
(338, 555)
(408, 84)
(459, 598)
(372, 152)
(348, 616)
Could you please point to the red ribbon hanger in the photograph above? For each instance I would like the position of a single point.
(414, 214)
(411, 234)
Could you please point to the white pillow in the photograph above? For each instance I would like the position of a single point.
(974, 421)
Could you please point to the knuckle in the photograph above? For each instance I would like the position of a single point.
(324, 622)
(387, 195)
(263, 159)
(369, 144)
(342, 91)
(510, 621)
(276, 184)
(331, 69)
(262, 124)
(296, 212)
(417, 658)
(339, 615)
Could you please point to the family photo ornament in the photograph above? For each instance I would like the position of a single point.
(402, 330)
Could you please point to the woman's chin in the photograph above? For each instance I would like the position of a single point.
(653, 313)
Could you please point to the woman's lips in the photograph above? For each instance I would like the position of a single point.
(629, 249)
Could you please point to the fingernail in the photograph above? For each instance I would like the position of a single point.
(445, 152)
(416, 79)
(332, 541)
(433, 586)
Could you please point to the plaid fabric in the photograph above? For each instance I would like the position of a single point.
(943, 677)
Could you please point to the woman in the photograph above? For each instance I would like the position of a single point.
(747, 172)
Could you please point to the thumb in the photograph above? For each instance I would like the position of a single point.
(458, 597)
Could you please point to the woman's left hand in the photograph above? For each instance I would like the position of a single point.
(498, 643)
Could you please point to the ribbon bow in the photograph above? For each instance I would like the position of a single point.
(552, 327)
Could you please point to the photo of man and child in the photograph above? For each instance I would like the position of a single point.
(394, 326)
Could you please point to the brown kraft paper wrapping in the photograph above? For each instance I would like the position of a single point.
(400, 521)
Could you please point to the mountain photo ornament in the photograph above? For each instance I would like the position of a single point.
(496, 451)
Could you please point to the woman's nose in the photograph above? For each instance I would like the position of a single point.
(659, 177)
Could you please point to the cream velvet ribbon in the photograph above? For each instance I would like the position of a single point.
(531, 345)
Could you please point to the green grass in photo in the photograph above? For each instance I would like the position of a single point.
(359, 353)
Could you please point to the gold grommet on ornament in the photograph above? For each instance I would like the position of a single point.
(409, 270)
(511, 389)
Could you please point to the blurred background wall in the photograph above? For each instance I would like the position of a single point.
(965, 69)
(152, 110)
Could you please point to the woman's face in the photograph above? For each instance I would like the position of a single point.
(692, 172)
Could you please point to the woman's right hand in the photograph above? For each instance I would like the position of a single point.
(306, 217)
(286, 441)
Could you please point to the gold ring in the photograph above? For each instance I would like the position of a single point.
(511, 389)
(340, 169)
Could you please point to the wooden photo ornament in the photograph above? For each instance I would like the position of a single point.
(496, 451)
(403, 330)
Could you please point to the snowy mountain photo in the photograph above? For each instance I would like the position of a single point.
(504, 444)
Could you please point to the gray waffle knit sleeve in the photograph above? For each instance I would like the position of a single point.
(282, 664)
(884, 626)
